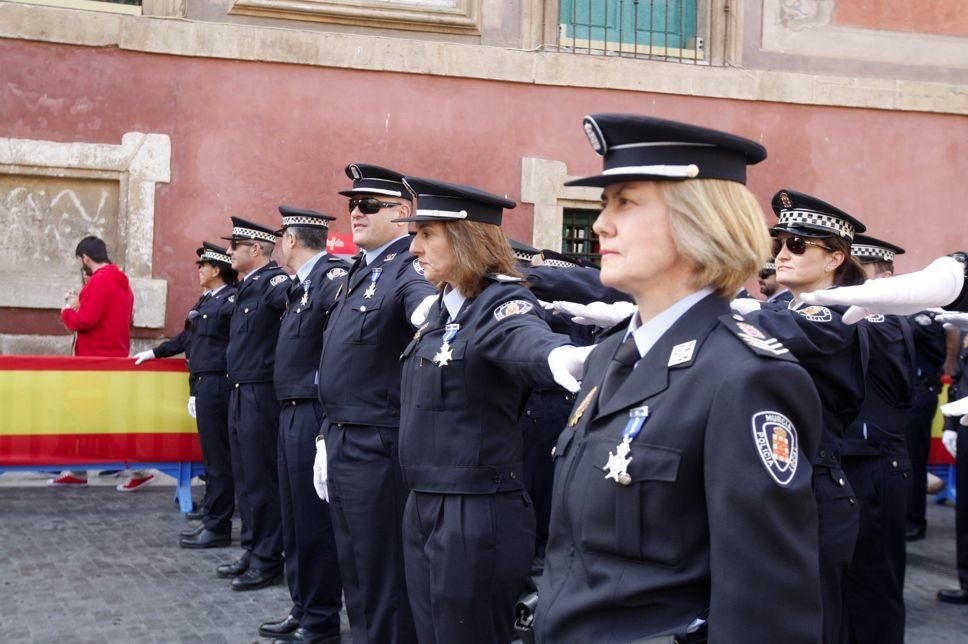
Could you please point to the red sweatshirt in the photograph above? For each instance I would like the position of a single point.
(103, 319)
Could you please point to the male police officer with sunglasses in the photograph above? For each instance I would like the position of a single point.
(359, 388)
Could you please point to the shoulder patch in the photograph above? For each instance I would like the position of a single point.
(514, 307)
(279, 279)
(498, 277)
(816, 313)
(755, 339)
(775, 439)
(923, 319)
(231, 298)
(417, 267)
(876, 318)
(334, 273)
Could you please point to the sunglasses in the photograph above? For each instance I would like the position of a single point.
(796, 245)
(369, 205)
(765, 274)
(234, 244)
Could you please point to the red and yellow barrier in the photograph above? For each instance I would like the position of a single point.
(57, 410)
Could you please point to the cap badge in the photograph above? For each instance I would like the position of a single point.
(594, 135)
(785, 200)
(775, 438)
(355, 171)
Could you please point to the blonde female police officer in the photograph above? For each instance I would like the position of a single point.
(682, 482)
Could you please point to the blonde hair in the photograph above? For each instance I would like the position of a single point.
(719, 227)
(480, 249)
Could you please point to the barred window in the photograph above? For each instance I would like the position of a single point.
(577, 237)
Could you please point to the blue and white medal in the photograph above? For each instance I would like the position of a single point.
(305, 287)
(618, 463)
(374, 278)
(444, 355)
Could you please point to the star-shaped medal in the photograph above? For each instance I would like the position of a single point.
(370, 291)
(305, 299)
(444, 355)
(617, 466)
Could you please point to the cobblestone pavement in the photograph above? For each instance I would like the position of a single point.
(95, 565)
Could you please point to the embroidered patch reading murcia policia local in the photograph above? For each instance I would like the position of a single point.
(514, 307)
(279, 279)
(336, 272)
(417, 267)
(876, 318)
(816, 313)
(776, 443)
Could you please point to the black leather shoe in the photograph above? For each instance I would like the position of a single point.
(278, 629)
(959, 596)
(207, 539)
(254, 579)
(193, 532)
(234, 569)
(304, 635)
(914, 534)
(197, 514)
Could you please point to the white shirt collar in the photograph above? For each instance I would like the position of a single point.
(646, 335)
(251, 273)
(373, 255)
(310, 264)
(216, 290)
(773, 297)
(453, 300)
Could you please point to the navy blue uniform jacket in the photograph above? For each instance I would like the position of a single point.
(259, 304)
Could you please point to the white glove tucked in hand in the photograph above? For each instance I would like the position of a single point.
(957, 320)
(566, 363)
(939, 283)
(419, 315)
(321, 470)
(191, 406)
(957, 408)
(144, 355)
(949, 438)
(744, 305)
(596, 313)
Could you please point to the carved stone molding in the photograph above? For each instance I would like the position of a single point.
(543, 184)
(52, 194)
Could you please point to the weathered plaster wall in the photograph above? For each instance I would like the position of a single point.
(247, 136)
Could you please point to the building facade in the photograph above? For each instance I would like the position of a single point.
(150, 124)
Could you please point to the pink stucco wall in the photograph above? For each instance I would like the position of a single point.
(249, 136)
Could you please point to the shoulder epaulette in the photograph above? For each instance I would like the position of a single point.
(756, 340)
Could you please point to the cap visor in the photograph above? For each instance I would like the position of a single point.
(374, 191)
(420, 218)
(802, 231)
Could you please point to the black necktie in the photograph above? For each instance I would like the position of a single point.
(295, 285)
(619, 368)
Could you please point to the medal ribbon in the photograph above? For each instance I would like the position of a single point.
(450, 332)
(375, 275)
(637, 418)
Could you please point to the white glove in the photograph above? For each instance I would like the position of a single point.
(144, 355)
(191, 406)
(596, 313)
(744, 305)
(939, 283)
(949, 438)
(566, 363)
(957, 408)
(419, 315)
(321, 470)
(957, 320)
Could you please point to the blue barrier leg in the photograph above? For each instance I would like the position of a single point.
(184, 490)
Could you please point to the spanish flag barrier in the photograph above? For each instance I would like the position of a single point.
(70, 411)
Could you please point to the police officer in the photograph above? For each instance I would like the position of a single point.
(959, 448)
(769, 287)
(876, 463)
(682, 482)
(204, 341)
(930, 349)
(312, 567)
(253, 409)
(468, 525)
(359, 388)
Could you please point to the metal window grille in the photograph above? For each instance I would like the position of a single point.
(671, 30)
(577, 237)
(135, 3)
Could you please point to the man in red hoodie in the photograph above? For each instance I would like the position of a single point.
(101, 315)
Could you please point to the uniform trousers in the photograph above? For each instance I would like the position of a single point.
(961, 508)
(838, 526)
(312, 567)
(253, 436)
(367, 495)
(874, 584)
(467, 558)
(542, 422)
(212, 417)
(917, 438)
